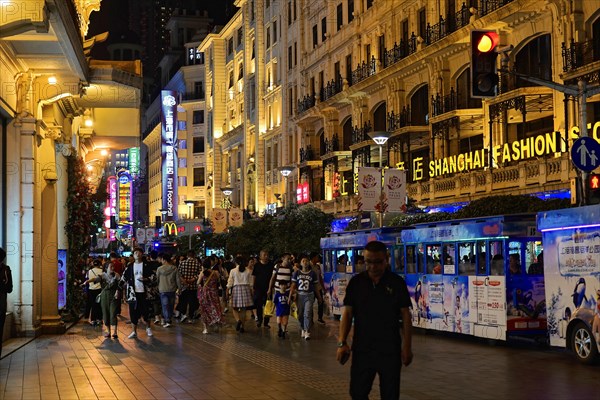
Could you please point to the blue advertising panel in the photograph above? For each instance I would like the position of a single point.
(571, 240)
(169, 153)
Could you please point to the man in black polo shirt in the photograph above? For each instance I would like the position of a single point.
(377, 299)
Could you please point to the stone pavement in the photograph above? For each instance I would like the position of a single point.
(182, 363)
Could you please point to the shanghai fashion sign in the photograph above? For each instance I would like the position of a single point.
(394, 190)
(169, 153)
(369, 188)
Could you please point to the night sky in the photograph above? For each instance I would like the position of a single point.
(115, 13)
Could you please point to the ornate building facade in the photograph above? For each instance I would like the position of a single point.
(54, 102)
(319, 76)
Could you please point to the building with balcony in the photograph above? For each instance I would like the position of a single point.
(322, 75)
(54, 102)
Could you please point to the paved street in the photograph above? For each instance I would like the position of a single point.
(182, 363)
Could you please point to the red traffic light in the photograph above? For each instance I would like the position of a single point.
(488, 42)
(594, 182)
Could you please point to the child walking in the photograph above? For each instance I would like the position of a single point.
(282, 308)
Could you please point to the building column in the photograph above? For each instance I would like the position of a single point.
(51, 322)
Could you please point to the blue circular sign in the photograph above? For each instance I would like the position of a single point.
(585, 154)
(124, 179)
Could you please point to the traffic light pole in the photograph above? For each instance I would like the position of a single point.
(582, 91)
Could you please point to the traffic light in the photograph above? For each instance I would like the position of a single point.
(157, 221)
(484, 77)
(593, 189)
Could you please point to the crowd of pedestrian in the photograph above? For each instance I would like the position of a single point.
(160, 289)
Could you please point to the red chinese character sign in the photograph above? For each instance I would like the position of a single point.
(302, 193)
(394, 190)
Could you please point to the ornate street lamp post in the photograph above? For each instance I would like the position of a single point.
(380, 138)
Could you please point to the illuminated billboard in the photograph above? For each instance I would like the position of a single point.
(125, 198)
(169, 153)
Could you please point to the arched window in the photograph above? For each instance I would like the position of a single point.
(322, 149)
(379, 118)
(419, 106)
(463, 91)
(535, 59)
(596, 39)
(347, 134)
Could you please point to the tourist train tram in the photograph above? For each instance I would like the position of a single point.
(457, 273)
(342, 254)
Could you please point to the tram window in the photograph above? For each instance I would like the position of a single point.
(342, 261)
(534, 257)
(515, 257)
(466, 252)
(360, 265)
(399, 259)
(497, 262)
(481, 258)
(411, 259)
(433, 258)
(448, 256)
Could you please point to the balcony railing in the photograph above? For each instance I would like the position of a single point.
(399, 120)
(579, 54)
(444, 104)
(194, 95)
(489, 6)
(307, 154)
(332, 145)
(400, 51)
(305, 103)
(332, 88)
(360, 134)
(363, 71)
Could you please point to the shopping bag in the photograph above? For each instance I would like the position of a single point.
(294, 310)
(269, 309)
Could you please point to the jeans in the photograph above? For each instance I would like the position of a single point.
(167, 299)
(305, 310)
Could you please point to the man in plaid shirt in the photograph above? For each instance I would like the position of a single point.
(189, 269)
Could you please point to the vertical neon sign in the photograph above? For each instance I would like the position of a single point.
(112, 205)
(169, 152)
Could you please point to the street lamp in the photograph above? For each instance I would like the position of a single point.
(189, 203)
(380, 138)
(163, 213)
(285, 171)
(227, 192)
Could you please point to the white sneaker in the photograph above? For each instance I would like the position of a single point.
(303, 334)
(132, 335)
(157, 321)
(307, 335)
(183, 318)
(149, 332)
(166, 325)
(205, 331)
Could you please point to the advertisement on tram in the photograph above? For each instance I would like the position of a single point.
(572, 270)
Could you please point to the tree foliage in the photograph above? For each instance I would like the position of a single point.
(295, 229)
(488, 206)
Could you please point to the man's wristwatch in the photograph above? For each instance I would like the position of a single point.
(342, 344)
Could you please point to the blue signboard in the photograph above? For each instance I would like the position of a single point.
(585, 154)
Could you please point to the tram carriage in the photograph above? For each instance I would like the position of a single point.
(457, 273)
(475, 276)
